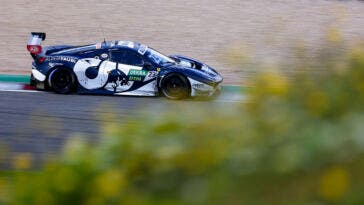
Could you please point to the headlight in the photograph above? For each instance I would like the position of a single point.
(207, 70)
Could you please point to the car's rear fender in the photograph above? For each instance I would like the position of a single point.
(52, 62)
(49, 74)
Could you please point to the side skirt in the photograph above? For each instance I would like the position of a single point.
(149, 89)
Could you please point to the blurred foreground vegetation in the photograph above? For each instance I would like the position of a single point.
(298, 140)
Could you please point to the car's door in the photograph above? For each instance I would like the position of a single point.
(131, 71)
(129, 62)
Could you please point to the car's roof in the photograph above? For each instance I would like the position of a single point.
(105, 45)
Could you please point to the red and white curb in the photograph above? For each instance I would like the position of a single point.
(16, 87)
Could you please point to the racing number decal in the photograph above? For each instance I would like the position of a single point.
(141, 75)
(152, 74)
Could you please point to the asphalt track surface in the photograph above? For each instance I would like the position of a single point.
(40, 122)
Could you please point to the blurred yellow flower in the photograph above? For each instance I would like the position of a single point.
(65, 180)
(74, 147)
(334, 183)
(356, 55)
(273, 83)
(22, 161)
(316, 102)
(44, 197)
(334, 35)
(2, 189)
(94, 200)
(360, 87)
(110, 183)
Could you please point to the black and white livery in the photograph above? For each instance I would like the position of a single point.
(118, 68)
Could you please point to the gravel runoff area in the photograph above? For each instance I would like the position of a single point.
(264, 30)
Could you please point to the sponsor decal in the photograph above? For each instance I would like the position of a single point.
(198, 85)
(135, 78)
(158, 70)
(142, 49)
(62, 58)
(54, 64)
(137, 75)
(104, 55)
(134, 72)
(98, 46)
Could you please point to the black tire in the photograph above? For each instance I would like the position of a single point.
(175, 86)
(62, 80)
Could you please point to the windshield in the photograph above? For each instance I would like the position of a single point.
(158, 58)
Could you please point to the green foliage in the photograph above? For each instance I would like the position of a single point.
(298, 140)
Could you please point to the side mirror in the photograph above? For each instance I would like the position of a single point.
(175, 59)
(148, 65)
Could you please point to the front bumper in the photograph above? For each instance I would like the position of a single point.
(199, 89)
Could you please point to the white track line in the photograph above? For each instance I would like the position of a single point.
(224, 98)
(20, 91)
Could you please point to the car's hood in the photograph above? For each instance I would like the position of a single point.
(184, 62)
(191, 63)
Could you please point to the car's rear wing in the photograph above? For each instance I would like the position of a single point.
(34, 43)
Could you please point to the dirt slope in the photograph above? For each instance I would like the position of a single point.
(202, 29)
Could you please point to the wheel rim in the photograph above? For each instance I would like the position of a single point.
(61, 79)
(174, 87)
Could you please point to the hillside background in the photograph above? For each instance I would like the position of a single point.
(262, 30)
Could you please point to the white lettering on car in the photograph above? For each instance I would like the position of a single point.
(62, 58)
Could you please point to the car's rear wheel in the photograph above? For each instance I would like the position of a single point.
(175, 86)
(62, 80)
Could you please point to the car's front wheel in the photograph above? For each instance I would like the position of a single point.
(62, 80)
(175, 86)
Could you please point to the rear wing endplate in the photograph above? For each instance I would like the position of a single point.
(34, 43)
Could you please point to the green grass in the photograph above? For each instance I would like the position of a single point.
(14, 78)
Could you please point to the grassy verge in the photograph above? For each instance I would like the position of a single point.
(14, 78)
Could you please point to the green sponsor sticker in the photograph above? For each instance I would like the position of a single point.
(133, 72)
(137, 75)
(135, 78)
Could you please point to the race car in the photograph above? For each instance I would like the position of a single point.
(118, 68)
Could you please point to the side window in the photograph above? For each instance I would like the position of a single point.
(127, 57)
(87, 54)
